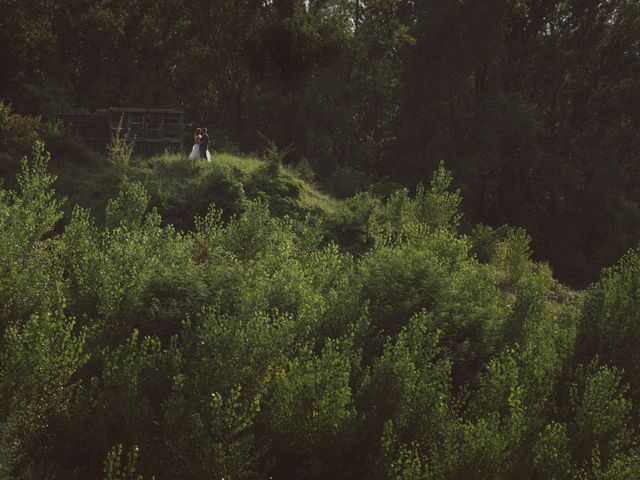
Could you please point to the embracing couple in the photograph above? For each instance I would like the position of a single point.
(201, 145)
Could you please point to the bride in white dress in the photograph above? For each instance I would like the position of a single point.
(195, 151)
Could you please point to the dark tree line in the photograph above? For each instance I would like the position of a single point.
(534, 104)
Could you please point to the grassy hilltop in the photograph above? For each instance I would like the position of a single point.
(180, 187)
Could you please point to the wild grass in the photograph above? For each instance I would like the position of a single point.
(181, 188)
(176, 168)
(311, 197)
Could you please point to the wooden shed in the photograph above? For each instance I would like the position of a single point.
(152, 129)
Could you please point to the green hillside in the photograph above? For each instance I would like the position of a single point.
(174, 173)
(252, 344)
(181, 188)
(415, 254)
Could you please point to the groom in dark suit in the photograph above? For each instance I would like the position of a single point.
(204, 143)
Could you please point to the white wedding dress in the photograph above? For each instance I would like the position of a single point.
(195, 153)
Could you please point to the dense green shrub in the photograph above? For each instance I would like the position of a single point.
(272, 184)
(182, 189)
(17, 135)
(249, 347)
(602, 415)
(30, 276)
(610, 322)
(349, 226)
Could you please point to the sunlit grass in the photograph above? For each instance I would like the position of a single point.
(169, 178)
(245, 163)
(311, 197)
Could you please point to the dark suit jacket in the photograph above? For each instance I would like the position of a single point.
(204, 141)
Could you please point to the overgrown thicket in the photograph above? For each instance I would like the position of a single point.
(533, 104)
(248, 348)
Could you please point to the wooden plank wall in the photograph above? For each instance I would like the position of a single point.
(153, 130)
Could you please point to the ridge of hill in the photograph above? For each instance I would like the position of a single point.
(180, 188)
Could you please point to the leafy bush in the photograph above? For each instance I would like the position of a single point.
(119, 151)
(128, 208)
(27, 216)
(114, 468)
(609, 322)
(602, 415)
(250, 347)
(182, 189)
(280, 191)
(349, 226)
(18, 134)
(403, 218)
